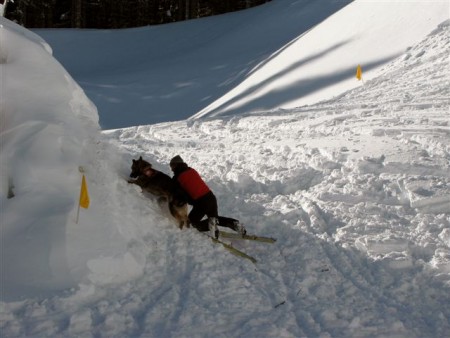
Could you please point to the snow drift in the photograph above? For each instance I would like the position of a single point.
(49, 131)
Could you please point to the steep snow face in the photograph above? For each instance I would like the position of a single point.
(49, 129)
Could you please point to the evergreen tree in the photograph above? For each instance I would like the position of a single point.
(114, 13)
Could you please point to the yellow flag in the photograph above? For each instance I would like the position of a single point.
(359, 72)
(84, 195)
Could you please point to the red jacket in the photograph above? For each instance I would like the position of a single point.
(193, 184)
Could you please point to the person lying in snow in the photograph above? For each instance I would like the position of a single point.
(204, 202)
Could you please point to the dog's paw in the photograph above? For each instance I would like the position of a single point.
(184, 224)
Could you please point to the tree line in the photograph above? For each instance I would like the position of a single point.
(112, 14)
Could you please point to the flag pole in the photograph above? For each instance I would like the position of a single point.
(78, 214)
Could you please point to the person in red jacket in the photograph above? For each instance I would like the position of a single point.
(203, 200)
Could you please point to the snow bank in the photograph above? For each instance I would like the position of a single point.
(49, 129)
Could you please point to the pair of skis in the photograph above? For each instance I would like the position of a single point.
(237, 252)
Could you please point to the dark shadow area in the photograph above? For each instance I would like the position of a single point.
(183, 67)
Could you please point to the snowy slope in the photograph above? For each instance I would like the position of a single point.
(166, 73)
(321, 63)
(274, 55)
(356, 189)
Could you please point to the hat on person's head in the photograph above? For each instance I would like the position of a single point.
(176, 160)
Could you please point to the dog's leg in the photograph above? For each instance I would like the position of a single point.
(184, 214)
(184, 222)
(180, 214)
(175, 214)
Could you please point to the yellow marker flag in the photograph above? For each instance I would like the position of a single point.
(359, 72)
(84, 195)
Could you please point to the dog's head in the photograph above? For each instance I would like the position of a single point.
(138, 166)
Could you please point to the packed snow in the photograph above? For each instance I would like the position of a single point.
(351, 177)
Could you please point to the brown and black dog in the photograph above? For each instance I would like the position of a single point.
(161, 185)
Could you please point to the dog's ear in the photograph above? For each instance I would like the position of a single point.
(140, 158)
(134, 161)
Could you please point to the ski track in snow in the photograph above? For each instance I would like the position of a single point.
(315, 198)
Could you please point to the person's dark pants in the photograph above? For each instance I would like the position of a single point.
(207, 205)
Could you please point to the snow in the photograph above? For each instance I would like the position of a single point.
(351, 177)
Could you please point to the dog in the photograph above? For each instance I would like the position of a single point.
(161, 185)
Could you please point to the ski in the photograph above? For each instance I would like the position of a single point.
(225, 234)
(233, 250)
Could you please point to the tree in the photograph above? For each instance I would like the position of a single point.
(3, 4)
(114, 13)
(77, 13)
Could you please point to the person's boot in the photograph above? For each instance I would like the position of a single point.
(213, 223)
(239, 228)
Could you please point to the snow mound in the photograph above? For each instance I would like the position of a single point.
(49, 130)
